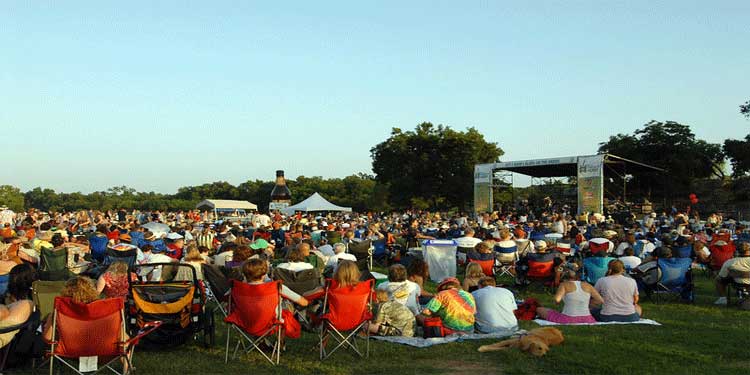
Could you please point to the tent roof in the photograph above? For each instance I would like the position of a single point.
(224, 204)
(567, 166)
(315, 202)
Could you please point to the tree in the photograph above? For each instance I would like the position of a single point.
(671, 146)
(431, 166)
(745, 109)
(738, 153)
(11, 197)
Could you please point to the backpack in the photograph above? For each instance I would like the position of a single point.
(527, 310)
(433, 327)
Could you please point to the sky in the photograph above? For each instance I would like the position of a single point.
(158, 95)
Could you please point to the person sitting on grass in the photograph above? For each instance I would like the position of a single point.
(735, 269)
(620, 296)
(419, 271)
(454, 306)
(577, 296)
(472, 275)
(495, 307)
(400, 289)
(392, 318)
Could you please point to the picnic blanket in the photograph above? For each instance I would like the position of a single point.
(420, 342)
(642, 321)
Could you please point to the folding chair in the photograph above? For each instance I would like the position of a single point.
(347, 309)
(488, 266)
(98, 246)
(31, 324)
(741, 291)
(505, 262)
(542, 272)
(255, 314)
(217, 287)
(44, 293)
(675, 279)
(127, 256)
(4, 279)
(685, 251)
(363, 252)
(720, 252)
(594, 268)
(380, 253)
(53, 264)
(96, 329)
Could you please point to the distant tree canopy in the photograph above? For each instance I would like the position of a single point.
(745, 109)
(431, 166)
(738, 153)
(671, 146)
(356, 191)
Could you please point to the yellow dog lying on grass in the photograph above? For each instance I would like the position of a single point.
(537, 342)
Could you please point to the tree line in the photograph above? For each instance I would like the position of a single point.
(432, 166)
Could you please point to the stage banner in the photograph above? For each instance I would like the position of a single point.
(483, 188)
(590, 184)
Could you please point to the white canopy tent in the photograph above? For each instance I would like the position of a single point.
(315, 202)
(223, 205)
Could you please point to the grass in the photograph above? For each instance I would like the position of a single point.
(699, 338)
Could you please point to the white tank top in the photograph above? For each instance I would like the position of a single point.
(577, 302)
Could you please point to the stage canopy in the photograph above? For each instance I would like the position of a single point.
(589, 171)
(223, 204)
(568, 166)
(315, 202)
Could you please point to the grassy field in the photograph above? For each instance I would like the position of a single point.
(700, 338)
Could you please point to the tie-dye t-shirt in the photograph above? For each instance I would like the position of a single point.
(455, 307)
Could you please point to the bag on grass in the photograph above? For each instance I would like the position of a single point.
(433, 327)
(527, 310)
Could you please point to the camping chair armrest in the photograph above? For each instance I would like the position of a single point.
(147, 328)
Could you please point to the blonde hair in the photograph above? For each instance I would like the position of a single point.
(80, 289)
(118, 268)
(347, 274)
(474, 271)
(193, 255)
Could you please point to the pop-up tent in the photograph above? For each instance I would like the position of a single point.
(223, 205)
(315, 202)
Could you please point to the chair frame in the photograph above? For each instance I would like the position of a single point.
(127, 347)
(348, 340)
(659, 288)
(254, 342)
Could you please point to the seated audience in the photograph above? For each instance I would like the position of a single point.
(620, 296)
(495, 307)
(400, 289)
(577, 296)
(454, 306)
(392, 318)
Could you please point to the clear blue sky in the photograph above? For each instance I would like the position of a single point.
(97, 94)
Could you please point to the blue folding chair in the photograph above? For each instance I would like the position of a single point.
(380, 253)
(594, 268)
(4, 279)
(685, 251)
(505, 261)
(675, 279)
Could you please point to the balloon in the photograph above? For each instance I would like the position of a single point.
(693, 196)
(694, 200)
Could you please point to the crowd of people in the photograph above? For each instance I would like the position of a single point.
(599, 266)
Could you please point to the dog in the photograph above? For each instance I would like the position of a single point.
(536, 342)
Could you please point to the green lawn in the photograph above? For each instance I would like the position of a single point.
(699, 338)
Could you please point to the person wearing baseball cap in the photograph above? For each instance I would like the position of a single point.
(454, 306)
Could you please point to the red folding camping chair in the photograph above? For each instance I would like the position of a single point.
(347, 309)
(255, 313)
(488, 266)
(720, 252)
(81, 331)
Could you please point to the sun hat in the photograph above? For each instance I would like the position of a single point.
(259, 244)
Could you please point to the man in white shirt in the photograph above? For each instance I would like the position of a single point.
(339, 253)
(629, 260)
(468, 240)
(495, 307)
(734, 270)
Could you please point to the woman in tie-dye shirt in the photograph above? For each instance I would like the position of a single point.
(454, 306)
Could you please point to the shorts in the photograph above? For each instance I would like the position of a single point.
(634, 317)
(558, 317)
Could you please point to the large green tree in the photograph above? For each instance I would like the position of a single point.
(11, 197)
(431, 166)
(738, 153)
(745, 109)
(671, 146)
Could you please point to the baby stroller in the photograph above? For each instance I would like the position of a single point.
(172, 294)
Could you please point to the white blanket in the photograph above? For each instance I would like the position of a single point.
(425, 343)
(642, 321)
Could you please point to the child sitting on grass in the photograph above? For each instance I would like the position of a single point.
(392, 319)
